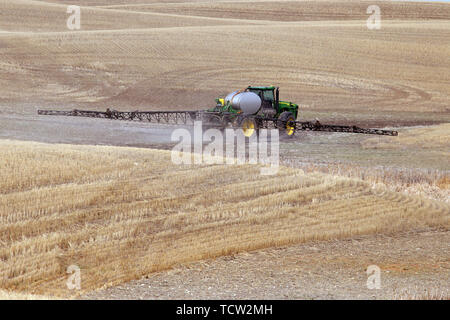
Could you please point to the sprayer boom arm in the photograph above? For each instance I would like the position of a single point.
(310, 126)
(188, 117)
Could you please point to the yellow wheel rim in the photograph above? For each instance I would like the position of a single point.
(290, 128)
(248, 127)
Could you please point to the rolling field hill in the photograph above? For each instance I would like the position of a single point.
(286, 11)
(122, 213)
(83, 194)
(176, 56)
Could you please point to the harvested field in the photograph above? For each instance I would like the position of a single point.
(334, 269)
(143, 59)
(287, 11)
(431, 137)
(41, 16)
(122, 213)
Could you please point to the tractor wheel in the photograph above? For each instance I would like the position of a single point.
(248, 126)
(286, 124)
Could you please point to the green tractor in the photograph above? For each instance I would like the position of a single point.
(252, 109)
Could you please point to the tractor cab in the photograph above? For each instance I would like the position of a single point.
(270, 101)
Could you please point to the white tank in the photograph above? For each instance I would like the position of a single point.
(230, 96)
(247, 102)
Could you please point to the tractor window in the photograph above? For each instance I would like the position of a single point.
(259, 93)
(268, 95)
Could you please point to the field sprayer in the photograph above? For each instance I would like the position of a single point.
(252, 108)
